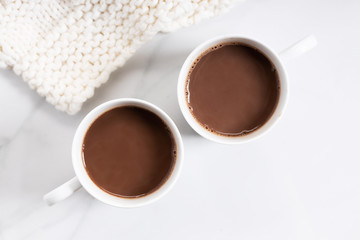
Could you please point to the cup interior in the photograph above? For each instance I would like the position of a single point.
(97, 192)
(182, 81)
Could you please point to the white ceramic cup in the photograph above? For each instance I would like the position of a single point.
(277, 59)
(82, 179)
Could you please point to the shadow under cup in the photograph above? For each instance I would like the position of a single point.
(232, 89)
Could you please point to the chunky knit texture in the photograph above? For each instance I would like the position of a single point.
(65, 49)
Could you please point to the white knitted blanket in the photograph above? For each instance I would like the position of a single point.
(65, 49)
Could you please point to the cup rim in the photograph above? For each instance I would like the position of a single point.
(96, 191)
(264, 49)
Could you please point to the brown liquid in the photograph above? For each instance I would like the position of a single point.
(129, 151)
(232, 89)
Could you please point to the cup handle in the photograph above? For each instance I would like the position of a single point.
(298, 48)
(62, 192)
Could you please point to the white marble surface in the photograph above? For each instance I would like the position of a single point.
(300, 181)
